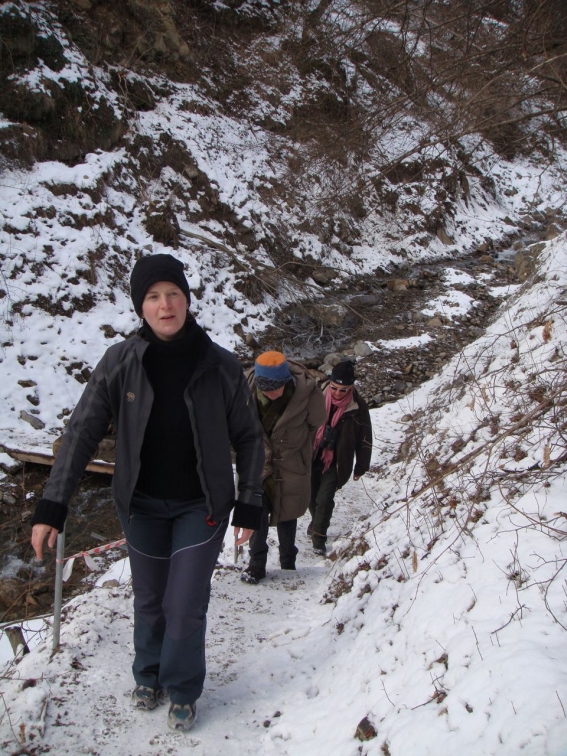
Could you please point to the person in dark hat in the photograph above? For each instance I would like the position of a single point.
(343, 447)
(291, 408)
(178, 402)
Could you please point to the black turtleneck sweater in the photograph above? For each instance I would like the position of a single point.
(168, 458)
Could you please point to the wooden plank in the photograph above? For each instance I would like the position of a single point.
(39, 458)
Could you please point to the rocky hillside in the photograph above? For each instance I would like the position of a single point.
(300, 158)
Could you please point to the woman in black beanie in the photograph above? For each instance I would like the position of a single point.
(178, 402)
(343, 447)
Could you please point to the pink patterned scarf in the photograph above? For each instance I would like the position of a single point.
(340, 406)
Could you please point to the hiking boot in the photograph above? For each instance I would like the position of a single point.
(182, 717)
(253, 575)
(147, 698)
(319, 547)
(287, 565)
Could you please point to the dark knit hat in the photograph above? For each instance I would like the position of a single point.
(343, 373)
(271, 371)
(153, 268)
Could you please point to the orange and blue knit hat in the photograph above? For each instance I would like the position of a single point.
(271, 371)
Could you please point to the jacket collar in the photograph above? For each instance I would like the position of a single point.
(207, 358)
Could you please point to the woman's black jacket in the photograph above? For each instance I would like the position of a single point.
(221, 412)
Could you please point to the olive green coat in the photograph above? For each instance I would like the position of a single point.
(289, 450)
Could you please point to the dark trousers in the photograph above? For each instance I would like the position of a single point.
(286, 537)
(173, 552)
(322, 504)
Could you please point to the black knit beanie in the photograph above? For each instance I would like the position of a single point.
(153, 268)
(343, 373)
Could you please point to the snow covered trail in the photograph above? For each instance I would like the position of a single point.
(79, 701)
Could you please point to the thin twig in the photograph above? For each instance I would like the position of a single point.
(561, 704)
(519, 609)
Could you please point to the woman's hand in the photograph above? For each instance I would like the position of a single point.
(240, 539)
(39, 534)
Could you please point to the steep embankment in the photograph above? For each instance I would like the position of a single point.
(438, 626)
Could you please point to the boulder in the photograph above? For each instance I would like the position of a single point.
(361, 349)
(330, 316)
(324, 276)
(398, 285)
(35, 422)
(444, 237)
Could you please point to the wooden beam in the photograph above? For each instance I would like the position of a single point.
(39, 458)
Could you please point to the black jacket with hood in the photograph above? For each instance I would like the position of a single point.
(353, 452)
(221, 411)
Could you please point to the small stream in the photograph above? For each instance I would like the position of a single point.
(389, 308)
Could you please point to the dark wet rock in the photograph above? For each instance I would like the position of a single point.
(365, 300)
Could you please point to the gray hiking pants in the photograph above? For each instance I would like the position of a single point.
(173, 551)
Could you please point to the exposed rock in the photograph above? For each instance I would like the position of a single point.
(161, 38)
(35, 422)
(334, 358)
(398, 285)
(365, 730)
(361, 349)
(113, 583)
(435, 322)
(331, 315)
(324, 276)
(365, 300)
(444, 237)
(27, 384)
(191, 171)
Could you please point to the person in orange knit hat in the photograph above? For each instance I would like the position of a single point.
(291, 407)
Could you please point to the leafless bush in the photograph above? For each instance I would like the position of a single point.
(460, 74)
